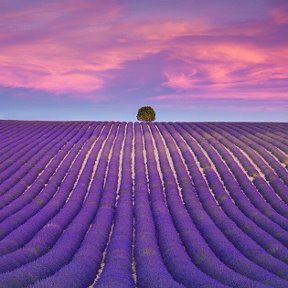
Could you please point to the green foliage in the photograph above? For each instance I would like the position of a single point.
(146, 113)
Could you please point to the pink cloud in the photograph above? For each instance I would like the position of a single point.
(188, 97)
(81, 47)
(168, 29)
(213, 67)
(280, 15)
(179, 81)
(54, 58)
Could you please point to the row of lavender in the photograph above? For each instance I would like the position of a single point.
(111, 204)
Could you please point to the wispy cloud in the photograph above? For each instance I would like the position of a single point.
(85, 49)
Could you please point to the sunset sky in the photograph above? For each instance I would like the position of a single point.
(192, 60)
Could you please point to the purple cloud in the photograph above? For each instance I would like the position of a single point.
(87, 49)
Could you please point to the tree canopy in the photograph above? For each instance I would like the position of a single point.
(146, 113)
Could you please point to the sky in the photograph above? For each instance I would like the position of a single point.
(191, 60)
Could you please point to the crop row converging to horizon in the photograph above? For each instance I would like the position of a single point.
(117, 204)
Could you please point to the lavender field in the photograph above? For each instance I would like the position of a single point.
(116, 204)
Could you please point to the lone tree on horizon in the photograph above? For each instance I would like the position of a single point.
(146, 113)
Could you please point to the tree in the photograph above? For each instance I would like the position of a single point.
(146, 113)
